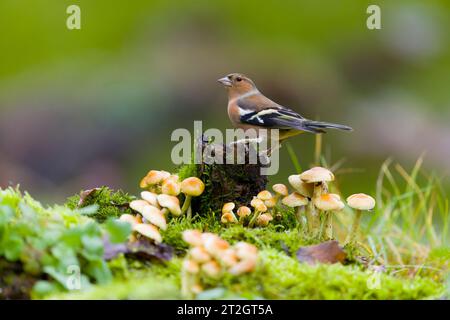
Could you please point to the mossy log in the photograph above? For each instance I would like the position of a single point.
(237, 183)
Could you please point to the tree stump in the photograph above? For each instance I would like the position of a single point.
(237, 183)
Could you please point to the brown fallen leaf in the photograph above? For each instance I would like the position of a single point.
(85, 194)
(327, 252)
(143, 249)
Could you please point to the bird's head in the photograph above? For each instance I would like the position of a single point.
(237, 83)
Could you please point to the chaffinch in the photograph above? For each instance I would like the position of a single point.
(249, 108)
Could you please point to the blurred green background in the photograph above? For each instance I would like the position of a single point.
(96, 106)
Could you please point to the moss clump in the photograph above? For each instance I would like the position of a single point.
(278, 276)
(110, 203)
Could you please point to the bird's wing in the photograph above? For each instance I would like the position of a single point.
(266, 113)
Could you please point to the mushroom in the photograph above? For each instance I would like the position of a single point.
(328, 203)
(211, 269)
(228, 217)
(243, 212)
(305, 189)
(263, 220)
(153, 178)
(171, 186)
(213, 244)
(191, 187)
(229, 257)
(190, 266)
(296, 200)
(360, 202)
(170, 202)
(149, 231)
(260, 207)
(193, 237)
(130, 219)
(155, 216)
(319, 177)
(199, 254)
(151, 198)
(138, 205)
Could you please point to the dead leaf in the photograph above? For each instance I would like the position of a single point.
(327, 252)
(85, 194)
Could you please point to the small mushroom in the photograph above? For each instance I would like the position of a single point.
(149, 231)
(170, 202)
(171, 186)
(243, 266)
(328, 203)
(244, 250)
(191, 187)
(193, 237)
(154, 216)
(260, 207)
(360, 202)
(211, 269)
(153, 178)
(199, 254)
(305, 189)
(151, 198)
(297, 201)
(138, 205)
(190, 266)
(228, 207)
(229, 257)
(129, 218)
(263, 220)
(264, 195)
(228, 217)
(213, 244)
(243, 212)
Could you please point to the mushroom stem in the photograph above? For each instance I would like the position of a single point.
(310, 216)
(328, 225)
(299, 215)
(254, 218)
(186, 204)
(355, 226)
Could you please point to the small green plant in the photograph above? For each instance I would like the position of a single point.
(57, 248)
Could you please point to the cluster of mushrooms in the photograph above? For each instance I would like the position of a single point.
(210, 256)
(314, 205)
(160, 199)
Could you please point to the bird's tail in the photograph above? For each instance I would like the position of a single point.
(318, 126)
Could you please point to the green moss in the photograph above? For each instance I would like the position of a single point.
(187, 170)
(277, 277)
(110, 203)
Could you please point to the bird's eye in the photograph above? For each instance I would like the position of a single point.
(238, 79)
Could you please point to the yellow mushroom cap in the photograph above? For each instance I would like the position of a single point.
(245, 250)
(244, 211)
(190, 266)
(264, 219)
(154, 177)
(154, 216)
(150, 197)
(271, 202)
(317, 174)
(228, 207)
(229, 257)
(149, 231)
(211, 268)
(193, 237)
(258, 204)
(170, 202)
(129, 218)
(295, 199)
(264, 195)
(171, 186)
(305, 189)
(280, 189)
(192, 186)
(199, 255)
(214, 244)
(328, 202)
(228, 217)
(361, 201)
(139, 205)
(243, 266)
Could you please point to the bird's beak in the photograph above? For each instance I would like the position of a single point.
(225, 81)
